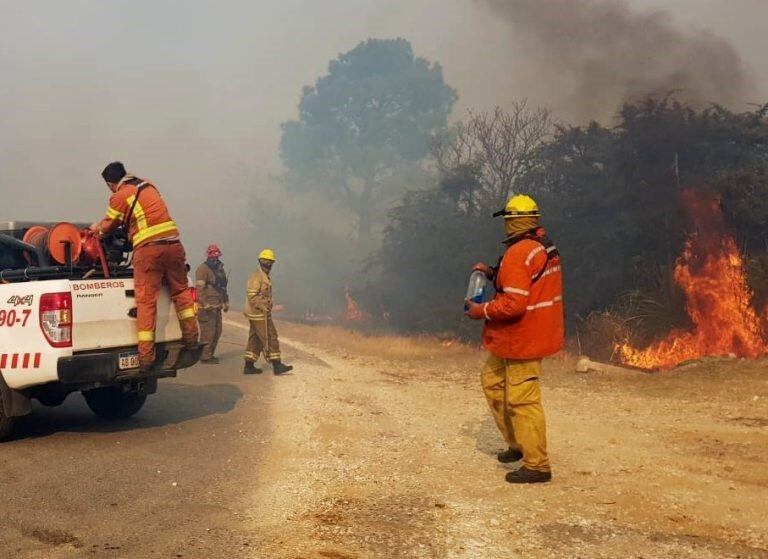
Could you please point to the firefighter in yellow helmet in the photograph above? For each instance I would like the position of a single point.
(262, 337)
(523, 324)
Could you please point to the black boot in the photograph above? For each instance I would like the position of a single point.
(210, 361)
(251, 369)
(524, 475)
(510, 455)
(280, 368)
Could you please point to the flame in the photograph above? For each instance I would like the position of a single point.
(353, 309)
(711, 274)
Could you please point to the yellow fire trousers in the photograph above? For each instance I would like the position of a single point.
(514, 395)
(262, 338)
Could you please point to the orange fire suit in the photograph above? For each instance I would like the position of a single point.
(524, 324)
(158, 256)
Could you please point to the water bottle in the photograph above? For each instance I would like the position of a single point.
(476, 287)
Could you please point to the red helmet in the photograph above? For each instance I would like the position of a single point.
(213, 251)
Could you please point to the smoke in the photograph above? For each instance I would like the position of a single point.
(192, 95)
(599, 53)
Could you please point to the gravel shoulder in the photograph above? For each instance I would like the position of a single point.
(380, 457)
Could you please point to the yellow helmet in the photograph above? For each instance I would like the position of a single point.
(520, 205)
(267, 254)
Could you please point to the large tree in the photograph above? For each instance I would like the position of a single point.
(364, 124)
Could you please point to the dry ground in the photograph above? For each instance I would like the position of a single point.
(383, 447)
(387, 450)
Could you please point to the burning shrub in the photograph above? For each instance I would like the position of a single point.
(711, 273)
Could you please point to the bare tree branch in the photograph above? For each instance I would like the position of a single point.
(501, 144)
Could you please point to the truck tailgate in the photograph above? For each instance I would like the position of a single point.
(102, 315)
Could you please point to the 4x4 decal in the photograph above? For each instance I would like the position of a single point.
(18, 300)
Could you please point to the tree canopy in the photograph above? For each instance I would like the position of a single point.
(365, 121)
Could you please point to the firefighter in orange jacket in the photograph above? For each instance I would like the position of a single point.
(523, 324)
(158, 255)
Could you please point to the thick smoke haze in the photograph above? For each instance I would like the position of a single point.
(191, 94)
(599, 53)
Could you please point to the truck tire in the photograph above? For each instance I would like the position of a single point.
(6, 423)
(110, 402)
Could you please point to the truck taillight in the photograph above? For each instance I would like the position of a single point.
(56, 318)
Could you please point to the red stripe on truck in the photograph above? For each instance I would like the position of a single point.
(20, 360)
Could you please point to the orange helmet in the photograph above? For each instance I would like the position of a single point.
(213, 251)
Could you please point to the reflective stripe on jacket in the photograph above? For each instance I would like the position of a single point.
(258, 302)
(525, 318)
(150, 220)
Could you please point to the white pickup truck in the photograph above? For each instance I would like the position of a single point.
(64, 329)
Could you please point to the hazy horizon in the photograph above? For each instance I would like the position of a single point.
(191, 95)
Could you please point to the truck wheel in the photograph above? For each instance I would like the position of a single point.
(6, 423)
(111, 402)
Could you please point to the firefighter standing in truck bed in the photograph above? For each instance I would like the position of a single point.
(158, 255)
(524, 323)
(262, 337)
(211, 284)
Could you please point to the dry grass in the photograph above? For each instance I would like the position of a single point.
(598, 334)
(381, 346)
(408, 358)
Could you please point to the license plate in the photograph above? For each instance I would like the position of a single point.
(128, 360)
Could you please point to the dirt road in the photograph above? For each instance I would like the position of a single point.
(384, 448)
(171, 482)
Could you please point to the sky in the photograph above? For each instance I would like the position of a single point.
(191, 94)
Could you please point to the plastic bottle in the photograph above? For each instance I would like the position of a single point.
(476, 287)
